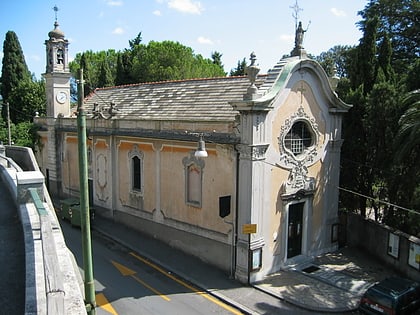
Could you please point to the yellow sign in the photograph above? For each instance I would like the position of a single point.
(249, 228)
(418, 258)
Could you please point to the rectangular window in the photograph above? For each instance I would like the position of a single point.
(194, 185)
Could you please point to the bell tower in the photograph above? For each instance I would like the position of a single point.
(57, 74)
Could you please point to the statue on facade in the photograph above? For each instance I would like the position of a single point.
(299, 50)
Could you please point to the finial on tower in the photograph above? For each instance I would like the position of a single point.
(252, 72)
(296, 8)
(55, 12)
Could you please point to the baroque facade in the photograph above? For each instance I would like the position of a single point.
(265, 197)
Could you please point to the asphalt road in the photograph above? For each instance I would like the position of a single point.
(126, 283)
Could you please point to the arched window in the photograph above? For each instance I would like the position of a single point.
(136, 167)
(60, 56)
(136, 170)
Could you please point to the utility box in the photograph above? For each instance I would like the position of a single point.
(67, 209)
(70, 210)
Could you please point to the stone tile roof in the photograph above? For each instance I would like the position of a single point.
(187, 100)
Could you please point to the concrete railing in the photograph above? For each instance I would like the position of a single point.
(53, 281)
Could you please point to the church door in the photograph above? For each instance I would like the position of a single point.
(295, 225)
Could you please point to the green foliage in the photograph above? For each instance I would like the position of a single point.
(167, 60)
(99, 68)
(14, 69)
(381, 149)
(398, 19)
(334, 61)
(124, 65)
(28, 98)
(408, 137)
(156, 61)
(105, 76)
(25, 135)
(240, 68)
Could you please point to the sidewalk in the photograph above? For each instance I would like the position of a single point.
(333, 283)
(12, 256)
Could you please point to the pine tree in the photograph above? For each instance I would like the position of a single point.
(240, 68)
(105, 76)
(14, 70)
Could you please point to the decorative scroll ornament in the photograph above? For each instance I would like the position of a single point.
(104, 113)
(298, 181)
(252, 152)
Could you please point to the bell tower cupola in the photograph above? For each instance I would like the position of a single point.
(57, 74)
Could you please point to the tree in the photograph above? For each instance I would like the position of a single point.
(14, 70)
(93, 63)
(105, 77)
(124, 65)
(334, 61)
(30, 95)
(408, 138)
(240, 68)
(217, 59)
(381, 151)
(398, 19)
(167, 60)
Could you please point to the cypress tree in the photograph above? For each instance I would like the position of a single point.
(14, 70)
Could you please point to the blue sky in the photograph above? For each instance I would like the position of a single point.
(234, 28)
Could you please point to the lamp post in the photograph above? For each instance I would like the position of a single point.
(8, 119)
(84, 200)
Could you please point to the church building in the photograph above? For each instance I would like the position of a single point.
(241, 172)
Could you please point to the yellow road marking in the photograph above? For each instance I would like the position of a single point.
(186, 285)
(102, 302)
(163, 296)
(125, 271)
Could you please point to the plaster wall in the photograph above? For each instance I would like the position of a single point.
(300, 92)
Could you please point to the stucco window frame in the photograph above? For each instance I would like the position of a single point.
(136, 153)
(301, 140)
(199, 163)
(310, 154)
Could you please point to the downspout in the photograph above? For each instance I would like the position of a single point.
(235, 236)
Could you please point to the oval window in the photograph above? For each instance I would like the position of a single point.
(298, 138)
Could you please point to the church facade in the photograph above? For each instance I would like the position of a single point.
(261, 195)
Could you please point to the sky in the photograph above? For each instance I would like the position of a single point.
(234, 28)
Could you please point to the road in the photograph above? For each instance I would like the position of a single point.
(127, 283)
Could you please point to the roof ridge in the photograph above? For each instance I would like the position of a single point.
(173, 81)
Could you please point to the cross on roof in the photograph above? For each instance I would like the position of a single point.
(301, 89)
(296, 9)
(55, 10)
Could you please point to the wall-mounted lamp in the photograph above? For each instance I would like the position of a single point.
(201, 150)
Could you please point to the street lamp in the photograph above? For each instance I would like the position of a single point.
(201, 150)
(8, 119)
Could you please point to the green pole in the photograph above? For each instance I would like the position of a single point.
(84, 200)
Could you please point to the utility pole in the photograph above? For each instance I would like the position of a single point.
(8, 123)
(84, 200)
